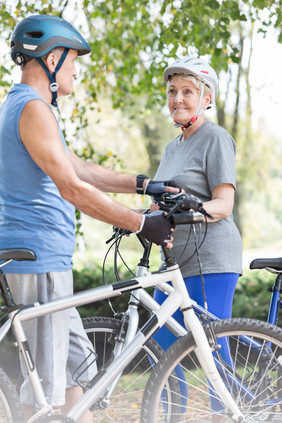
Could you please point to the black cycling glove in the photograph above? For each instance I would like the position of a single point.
(156, 228)
(153, 187)
(159, 187)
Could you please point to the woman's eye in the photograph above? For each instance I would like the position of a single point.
(187, 92)
(171, 91)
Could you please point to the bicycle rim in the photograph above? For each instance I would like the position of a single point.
(249, 362)
(124, 403)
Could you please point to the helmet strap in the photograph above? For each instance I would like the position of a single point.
(52, 76)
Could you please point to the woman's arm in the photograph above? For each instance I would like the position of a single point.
(221, 204)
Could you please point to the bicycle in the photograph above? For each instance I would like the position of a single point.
(272, 265)
(247, 398)
(141, 298)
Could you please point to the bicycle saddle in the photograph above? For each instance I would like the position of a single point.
(17, 254)
(262, 263)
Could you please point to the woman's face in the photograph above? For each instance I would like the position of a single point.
(183, 99)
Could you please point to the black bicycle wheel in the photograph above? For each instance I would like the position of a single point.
(10, 409)
(249, 363)
(124, 404)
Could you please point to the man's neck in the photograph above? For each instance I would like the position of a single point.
(34, 75)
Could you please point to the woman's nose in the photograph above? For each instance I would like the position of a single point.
(179, 97)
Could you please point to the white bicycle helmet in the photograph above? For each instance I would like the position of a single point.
(196, 67)
(202, 70)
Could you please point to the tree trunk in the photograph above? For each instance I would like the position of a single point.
(237, 210)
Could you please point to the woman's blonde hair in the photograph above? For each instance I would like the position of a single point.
(196, 81)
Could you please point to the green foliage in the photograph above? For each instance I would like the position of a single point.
(252, 297)
(132, 42)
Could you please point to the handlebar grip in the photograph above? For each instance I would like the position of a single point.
(187, 217)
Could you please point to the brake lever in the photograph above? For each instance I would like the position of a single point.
(117, 232)
(171, 212)
(167, 196)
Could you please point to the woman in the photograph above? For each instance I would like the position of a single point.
(202, 161)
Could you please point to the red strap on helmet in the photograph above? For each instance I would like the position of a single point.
(193, 119)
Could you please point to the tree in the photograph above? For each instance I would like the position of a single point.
(133, 41)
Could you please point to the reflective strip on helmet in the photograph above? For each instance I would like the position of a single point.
(30, 47)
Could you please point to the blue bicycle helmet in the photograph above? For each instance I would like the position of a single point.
(37, 35)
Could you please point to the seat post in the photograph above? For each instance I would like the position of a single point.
(7, 295)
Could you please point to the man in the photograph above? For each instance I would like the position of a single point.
(42, 181)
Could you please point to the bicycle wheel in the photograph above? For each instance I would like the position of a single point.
(10, 409)
(251, 370)
(124, 403)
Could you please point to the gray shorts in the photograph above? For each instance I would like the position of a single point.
(57, 341)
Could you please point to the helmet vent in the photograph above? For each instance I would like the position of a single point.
(198, 63)
(37, 34)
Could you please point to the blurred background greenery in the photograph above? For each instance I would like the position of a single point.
(117, 115)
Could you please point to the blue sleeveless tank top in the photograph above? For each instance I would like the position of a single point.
(32, 212)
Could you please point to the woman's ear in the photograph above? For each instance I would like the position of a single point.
(206, 101)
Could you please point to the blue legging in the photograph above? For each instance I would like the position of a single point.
(219, 288)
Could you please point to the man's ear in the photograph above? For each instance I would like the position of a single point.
(51, 62)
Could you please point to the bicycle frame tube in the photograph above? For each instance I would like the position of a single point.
(5, 329)
(275, 301)
(92, 295)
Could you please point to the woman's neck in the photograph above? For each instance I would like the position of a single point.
(186, 133)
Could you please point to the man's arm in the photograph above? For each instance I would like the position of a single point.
(102, 178)
(40, 134)
(108, 180)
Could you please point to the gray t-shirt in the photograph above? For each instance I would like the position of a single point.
(199, 164)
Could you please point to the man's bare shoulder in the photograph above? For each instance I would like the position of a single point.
(37, 108)
(37, 120)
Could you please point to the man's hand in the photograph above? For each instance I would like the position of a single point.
(159, 187)
(145, 185)
(157, 228)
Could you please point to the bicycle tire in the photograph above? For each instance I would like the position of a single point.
(255, 367)
(10, 409)
(125, 402)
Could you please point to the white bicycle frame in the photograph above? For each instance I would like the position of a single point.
(178, 298)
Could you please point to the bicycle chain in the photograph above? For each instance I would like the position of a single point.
(56, 418)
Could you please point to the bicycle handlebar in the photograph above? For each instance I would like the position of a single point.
(178, 203)
(181, 209)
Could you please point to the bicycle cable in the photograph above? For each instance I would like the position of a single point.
(116, 241)
(186, 261)
(212, 339)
